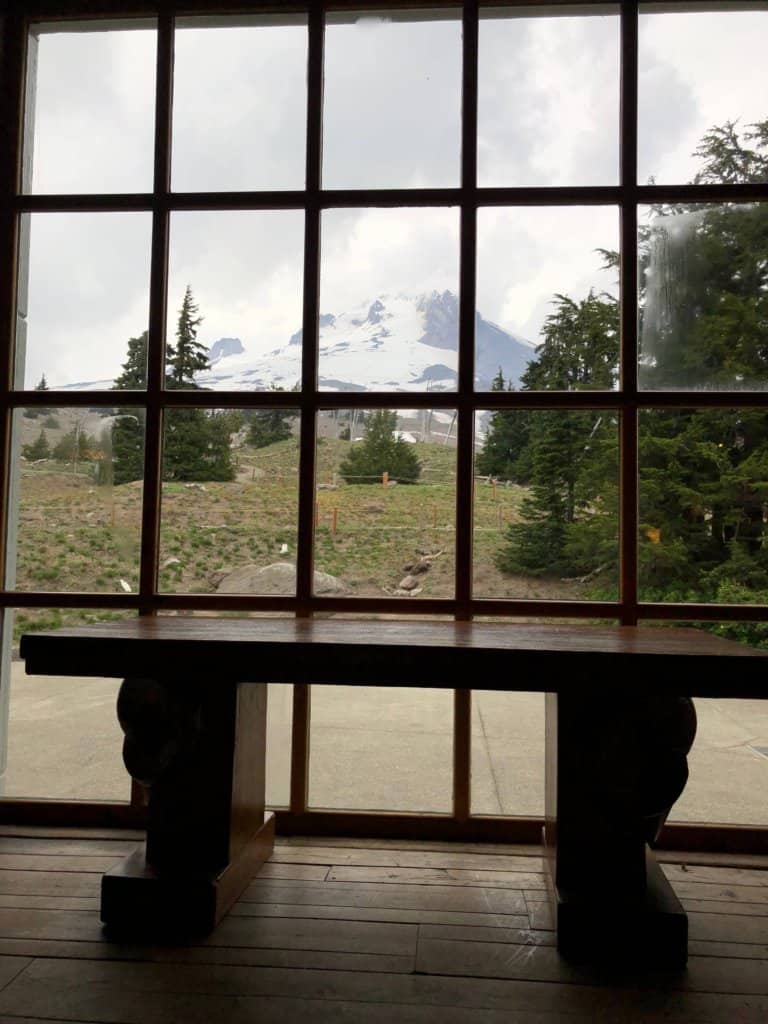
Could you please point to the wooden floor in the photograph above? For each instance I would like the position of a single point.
(342, 930)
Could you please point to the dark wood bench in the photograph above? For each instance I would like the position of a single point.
(193, 706)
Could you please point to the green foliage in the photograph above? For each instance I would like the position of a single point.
(268, 426)
(75, 446)
(37, 450)
(197, 446)
(188, 356)
(381, 451)
(505, 452)
(128, 425)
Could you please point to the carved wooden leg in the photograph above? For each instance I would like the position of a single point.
(614, 767)
(199, 748)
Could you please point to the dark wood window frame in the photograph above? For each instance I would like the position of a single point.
(627, 402)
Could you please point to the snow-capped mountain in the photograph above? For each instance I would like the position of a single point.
(392, 343)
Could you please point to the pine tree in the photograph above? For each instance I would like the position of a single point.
(188, 356)
(36, 411)
(37, 450)
(382, 451)
(268, 426)
(197, 446)
(128, 426)
(505, 451)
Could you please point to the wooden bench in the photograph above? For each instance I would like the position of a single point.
(193, 706)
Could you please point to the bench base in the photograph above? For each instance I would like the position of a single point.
(651, 933)
(136, 899)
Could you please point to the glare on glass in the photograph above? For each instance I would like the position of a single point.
(79, 479)
(545, 275)
(548, 102)
(392, 101)
(229, 503)
(702, 505)
(381, 749)
(546, 499)
(244, 273)
(389, 300)
(90, 109)
(385, 503)
(83, 298)
(702, 297)
(239, 104)
(702, 85)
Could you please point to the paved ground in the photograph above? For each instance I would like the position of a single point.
(377, 749)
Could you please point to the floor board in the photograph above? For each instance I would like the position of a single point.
(357, 930)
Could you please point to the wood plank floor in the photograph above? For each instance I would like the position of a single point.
(355, 930)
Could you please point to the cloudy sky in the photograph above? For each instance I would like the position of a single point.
(548, 114)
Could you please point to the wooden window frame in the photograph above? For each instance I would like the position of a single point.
(627, 402)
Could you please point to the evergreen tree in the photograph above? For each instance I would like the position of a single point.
(267, 426)
(36, 411)
(37, 450)
(505, 451)
(128, 426)
(197, 446)
(569, 517)
(188, 356)
(381, 451)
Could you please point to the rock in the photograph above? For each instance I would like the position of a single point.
(215, 577)
(408, 583)
(196, 487)
(419, 567)
(126, 586)
(327, 487)
(171, 561)
(278, 579)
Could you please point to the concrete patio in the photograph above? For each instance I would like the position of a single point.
(376, 750)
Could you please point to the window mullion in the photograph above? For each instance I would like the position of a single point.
(150, 525)
(628, 456)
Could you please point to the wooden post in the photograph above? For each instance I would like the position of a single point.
(385, 478)
(335, 519)
(493, 484)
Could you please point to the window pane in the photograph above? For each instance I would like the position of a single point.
(64, 740)
(80, 488)
(702, 505)
(546, 504)
(244, 270)
(229, 501)
(91, 95)
(548, 104)
(703, 80)
(547, 288)
(381, 749)
(385, 507)
(507, 753)
(392, 101)
(704, 297)
(239, 104)
(388, 297)
(84, 298)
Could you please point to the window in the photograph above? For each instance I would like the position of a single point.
(438, 310)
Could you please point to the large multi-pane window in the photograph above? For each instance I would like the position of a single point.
(446, 309)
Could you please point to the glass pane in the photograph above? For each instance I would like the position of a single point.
(702, 86)
(547, 287)
(244, 270)
(703, 297)
(80, 489)
(507, 753)
(82, 298)
(385, 507)
(548, 103)
(546, 504)
(239, 104)
(64, 740)
(702, 505)
(727, 764)
(91, 99)
(392, 96)
(229, 501)
(388, 296)
(381, 749)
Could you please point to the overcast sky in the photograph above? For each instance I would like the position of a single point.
(548, 114)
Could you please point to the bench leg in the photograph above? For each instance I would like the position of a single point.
(200, 751)
(614, 766)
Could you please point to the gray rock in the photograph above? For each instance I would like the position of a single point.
(408, 583)
(278, 579)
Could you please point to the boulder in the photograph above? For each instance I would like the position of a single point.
(278, 579)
